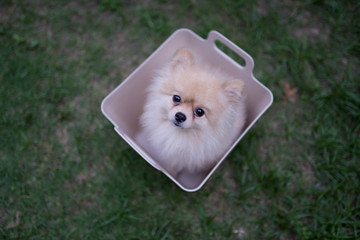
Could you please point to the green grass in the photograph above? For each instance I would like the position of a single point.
(65, 174)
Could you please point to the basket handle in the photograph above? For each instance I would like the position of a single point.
(216, 36)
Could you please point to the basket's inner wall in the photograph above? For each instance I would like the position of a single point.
(125, 105)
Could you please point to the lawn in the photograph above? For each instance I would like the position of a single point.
(66, 174)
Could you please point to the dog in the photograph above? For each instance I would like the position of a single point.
(192, 114)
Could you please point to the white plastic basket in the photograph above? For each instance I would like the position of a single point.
(124, 105)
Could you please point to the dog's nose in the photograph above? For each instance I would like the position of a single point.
(180, 117)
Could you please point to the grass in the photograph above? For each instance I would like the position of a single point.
(65, 174)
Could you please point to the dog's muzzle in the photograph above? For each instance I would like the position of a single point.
(179, 119)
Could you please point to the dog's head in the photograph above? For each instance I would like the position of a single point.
(196, 99)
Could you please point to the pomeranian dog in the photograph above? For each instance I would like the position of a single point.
(192, 114)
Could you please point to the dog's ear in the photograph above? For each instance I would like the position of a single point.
(182, 58)
(234, 90)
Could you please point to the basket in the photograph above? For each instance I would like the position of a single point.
(125, 116)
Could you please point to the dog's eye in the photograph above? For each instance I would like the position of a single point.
(176, 99)
(199, 112)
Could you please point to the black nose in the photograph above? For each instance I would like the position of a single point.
(180, 117)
